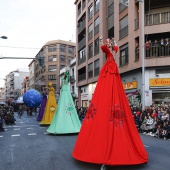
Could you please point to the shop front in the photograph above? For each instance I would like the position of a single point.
(160, 90)
(131, 92)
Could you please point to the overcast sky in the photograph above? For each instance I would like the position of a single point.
(29, 24)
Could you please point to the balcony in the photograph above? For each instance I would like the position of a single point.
(123, 32)
(82, 43)
(90, 74)
(90, 35)
(158, 18)
(96, 8)
(158, 51)
(81, 60)
(83, 5)
(90, 15)
(82, 77)
(96, 71)
(136, 23)
(81, 25)
(72, 79)
(96, 29)
(90, 54)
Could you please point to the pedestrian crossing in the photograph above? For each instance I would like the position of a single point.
(30, 131)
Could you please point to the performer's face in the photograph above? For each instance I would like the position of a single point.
(108, 42)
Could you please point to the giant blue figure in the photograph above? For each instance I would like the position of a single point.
(32, 98)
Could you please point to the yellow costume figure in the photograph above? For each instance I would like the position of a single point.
(50, 107)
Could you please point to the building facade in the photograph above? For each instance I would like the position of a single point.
(2, 94)
(110, 18)
(53, 56)
(13, 83)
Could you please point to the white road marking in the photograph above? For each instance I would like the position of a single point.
(1, 136)
(45, 133)
(16, 135)
(17, 129)
(5, 129)
(30, 128)
(32, 134)
(146, 146)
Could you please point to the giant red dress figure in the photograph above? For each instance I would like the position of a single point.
(108, 134)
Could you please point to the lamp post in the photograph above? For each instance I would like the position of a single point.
(3, 37)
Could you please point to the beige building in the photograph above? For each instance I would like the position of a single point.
(54, 55)
(110, 18)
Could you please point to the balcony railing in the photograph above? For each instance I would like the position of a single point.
(90, 15)
(96, 50)
(82, 43)
(136, 23)
(90, 35)
(90, 74)
(81, 60)
(158, 18)
(136, 54)
(96, 71)
(81, 25)
(72, 79)
(96, 8)
(96, 29)
(82, 77)
(83, 5)
(90, 54)
(79, 11)
(158, 51)
(123, 32)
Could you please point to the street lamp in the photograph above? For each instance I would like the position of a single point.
(3, 37)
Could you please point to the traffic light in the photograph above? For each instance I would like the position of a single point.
(41, 60)
(138, 96)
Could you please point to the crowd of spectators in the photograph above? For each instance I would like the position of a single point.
(153, 121)
(6, 116)
(158, 47)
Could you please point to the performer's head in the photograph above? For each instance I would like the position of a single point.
(109, 42)
(50, 84)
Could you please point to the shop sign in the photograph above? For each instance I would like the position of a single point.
(157, 82)
(130, 85)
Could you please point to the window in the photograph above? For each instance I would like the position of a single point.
(96, 25)
(52, 48)
(90, 35)
(90, 70)
(122, 7)
(62, 48)
(124, 55)
(62, 66)
(90, 51)
(62, 58)
(96, 67)
(69, 59)
(52, 77)
(90, 11)
(70, 50)
(111, 9)
(52, 58)
(52, 68)
(96, 46)
(96, 2)
(123, 24)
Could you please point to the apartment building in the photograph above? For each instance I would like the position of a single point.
(13, 83)
(112, 18)
(53, 56)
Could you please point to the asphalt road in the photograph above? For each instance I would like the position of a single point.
(27, 146)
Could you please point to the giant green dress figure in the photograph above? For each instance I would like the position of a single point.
(66, 119)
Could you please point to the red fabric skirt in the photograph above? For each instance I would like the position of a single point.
(108, 134)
